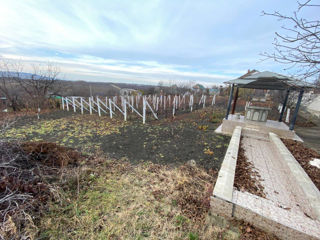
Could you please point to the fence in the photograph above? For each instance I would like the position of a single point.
(138, 105)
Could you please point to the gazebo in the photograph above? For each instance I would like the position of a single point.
(267, 81)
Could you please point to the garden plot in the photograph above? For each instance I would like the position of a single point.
(176, 140)
(98, 197)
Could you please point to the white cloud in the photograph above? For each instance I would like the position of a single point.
(208, 41)
(89, 68)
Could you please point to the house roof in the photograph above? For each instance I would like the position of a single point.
(269, 80)
(198, 86)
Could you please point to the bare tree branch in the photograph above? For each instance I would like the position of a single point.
(298, 45)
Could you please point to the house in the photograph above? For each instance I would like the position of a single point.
(198, 88)
(127, 91)
(214, 91)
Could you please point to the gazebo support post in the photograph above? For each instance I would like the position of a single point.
(235, 101)
(284, 105)
(229, 102)
(293, 122)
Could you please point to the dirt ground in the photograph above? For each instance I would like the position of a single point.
(130, 181)
(168, 141)
(173, 142)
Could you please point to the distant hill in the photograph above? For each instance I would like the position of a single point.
(86, 88)
(23, 75)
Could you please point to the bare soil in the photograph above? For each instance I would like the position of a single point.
(174, 141)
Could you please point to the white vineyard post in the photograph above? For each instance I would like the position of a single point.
(67, 103)
(73, 105)
(125, 109)
(191, 102)
(90, 105)
(114, 100)
(137, 101)
(204, 101)
(81, 104)
(144, 110)
(201, 99)
(132, 101)
(110, 107)
(107, 101)
(214, 101)
(169, 100)
(98, 105)
(161, 99)
(173, 106)
(157, 104)
(62, 101)
(154, 101)
(164, 102)
(288, 115)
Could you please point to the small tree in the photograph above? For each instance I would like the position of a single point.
(299, 44)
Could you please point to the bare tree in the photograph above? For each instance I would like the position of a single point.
(299, 44)
(9, 73)
(42, 81)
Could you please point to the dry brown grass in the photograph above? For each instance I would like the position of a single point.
(146, 201)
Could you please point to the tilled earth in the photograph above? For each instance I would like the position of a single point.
(174, 143)
(188, 136)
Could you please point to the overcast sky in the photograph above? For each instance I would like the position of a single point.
(143, 41)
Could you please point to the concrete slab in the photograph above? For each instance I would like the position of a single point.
(286, 211)
(279, 128)
(301, 178)
(224, 184)
(264, 214)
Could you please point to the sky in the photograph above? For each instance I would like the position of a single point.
(145, 42)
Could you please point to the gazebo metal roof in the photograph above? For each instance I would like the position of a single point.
(269, 80)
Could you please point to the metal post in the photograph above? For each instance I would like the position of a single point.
(293, 122)
(62, 100)
(125, 109)
(235, 101)
(90, 105)
(144, 109)
(110, 107)
(98, 105)
(81, 103)
(73, 104)
(284, 105)
(67, 103)
(229, 102)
